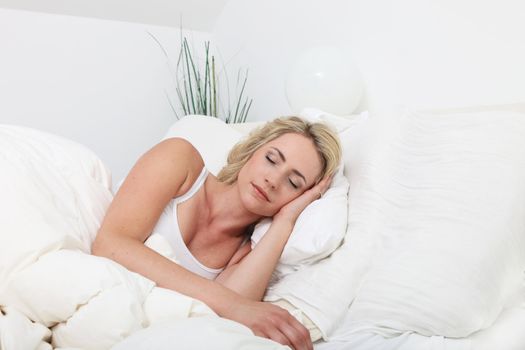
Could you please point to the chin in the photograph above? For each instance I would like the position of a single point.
(253, 206)
(256, 206)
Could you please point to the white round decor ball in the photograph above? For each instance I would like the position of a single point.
(324, 77)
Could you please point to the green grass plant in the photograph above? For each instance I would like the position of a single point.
(197, 86)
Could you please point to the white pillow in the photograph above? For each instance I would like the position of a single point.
(319, 229)
(337, 122)
(442, 201)
(212, 137)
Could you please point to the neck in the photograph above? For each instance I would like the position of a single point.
(224, 208)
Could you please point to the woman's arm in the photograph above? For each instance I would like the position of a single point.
(250, 273)
(164, 172)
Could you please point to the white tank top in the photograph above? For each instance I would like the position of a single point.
(168, 227)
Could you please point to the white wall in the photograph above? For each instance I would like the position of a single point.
(101, 83)
(427, 53)
(195, 14)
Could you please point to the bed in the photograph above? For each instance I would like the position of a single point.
(418, 245)
(423, 244)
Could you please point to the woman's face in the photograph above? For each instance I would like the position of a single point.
(278, 172)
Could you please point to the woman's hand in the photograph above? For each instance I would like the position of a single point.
(293, 209)
(263, 258)
(272, 322)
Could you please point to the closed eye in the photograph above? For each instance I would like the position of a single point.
(270, 159)
(293, 184)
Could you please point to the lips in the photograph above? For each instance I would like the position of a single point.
(260, 192)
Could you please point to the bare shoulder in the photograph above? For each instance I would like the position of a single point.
(179, 160)
(171, 166)
(165, 171)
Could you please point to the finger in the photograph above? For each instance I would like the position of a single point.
(303, 332)
(327, 180)
(314, 193)
(277, 336)
(322, 186)
(297, 334)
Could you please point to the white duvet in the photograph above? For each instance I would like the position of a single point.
(53, 293)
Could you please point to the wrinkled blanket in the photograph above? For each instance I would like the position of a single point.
(53, 293)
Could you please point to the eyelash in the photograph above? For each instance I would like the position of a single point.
(290, 181)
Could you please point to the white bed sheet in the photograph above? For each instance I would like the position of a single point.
(506, 333)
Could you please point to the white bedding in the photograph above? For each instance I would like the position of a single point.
(430, 270)
(54, 194)
(506, 333)
(53, 293)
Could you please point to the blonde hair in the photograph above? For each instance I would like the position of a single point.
(325, 141)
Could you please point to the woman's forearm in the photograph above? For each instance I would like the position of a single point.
(251, 275)
(263, 319)
(137, 257)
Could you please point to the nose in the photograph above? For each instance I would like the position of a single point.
(271, 180)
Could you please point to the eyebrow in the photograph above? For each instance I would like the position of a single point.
(295, 171)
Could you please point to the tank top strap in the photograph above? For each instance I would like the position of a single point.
(194, 188)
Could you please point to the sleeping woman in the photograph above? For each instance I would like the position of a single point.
(276, 172)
